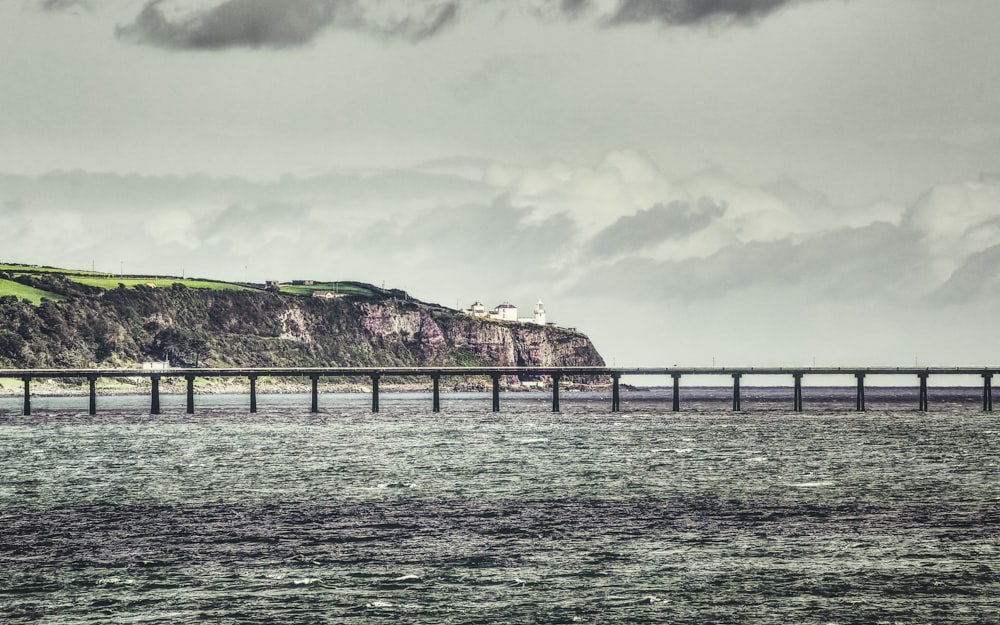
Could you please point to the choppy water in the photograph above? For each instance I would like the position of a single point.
(525, 516)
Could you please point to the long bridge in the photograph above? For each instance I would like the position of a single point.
(496, 373)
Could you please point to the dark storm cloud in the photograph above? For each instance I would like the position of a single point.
(285, 24)
(57, 6)
(246, 220)
(978, 276)
(692, 12)
(481, 231)
(415, 28)
(880, 260)
(472, 245)
(573, 8)
(246, 23)
(278, 23)
(659, 223)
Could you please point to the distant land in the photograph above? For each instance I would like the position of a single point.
(51, 317)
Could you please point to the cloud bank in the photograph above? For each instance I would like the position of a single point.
(694, 12)
(218, 25)
(57, 6)
(642, 237)
(278, 23)
(650, 264)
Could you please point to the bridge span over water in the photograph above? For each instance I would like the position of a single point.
(375, 374)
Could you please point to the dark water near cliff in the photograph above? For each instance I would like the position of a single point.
(586, 516)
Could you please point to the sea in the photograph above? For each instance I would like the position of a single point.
(828, 516)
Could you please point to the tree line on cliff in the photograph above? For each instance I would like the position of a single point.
(188, 327)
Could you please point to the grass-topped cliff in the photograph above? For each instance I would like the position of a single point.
(58, 318)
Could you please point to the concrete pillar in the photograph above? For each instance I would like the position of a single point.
(988, 392)
(190, 393)
(859, 404)
(797, 396)
(27, 395)
(923, 392)
(314, 405)
(253, 393)
(93, 393)
(555, 392)
(496, 392)
(436, 398)
(375, 379)
(154, 407)
(737, 404)
(677, 391)
(615, 392)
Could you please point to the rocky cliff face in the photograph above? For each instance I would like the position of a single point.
(124, 327)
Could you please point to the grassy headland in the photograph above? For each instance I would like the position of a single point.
(51, 318)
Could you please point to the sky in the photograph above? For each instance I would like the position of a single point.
(689, 182)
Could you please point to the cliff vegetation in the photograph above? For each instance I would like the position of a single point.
(83, 325)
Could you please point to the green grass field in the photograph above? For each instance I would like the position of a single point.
(100, 280)
(17, 269)
(22, 291)
(109, 281)
(306, 290)
(113, 282)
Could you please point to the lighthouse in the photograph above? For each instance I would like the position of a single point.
(540, 313)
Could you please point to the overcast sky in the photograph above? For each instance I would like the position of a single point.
(769, 182)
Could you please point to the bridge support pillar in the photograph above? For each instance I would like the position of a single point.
(375, 379)
(190, 393)
(923, 392)
(27, 395)
(555, 392)
(797, 395)
(988, 392)
(496, 392)
(436, 399)
(859, 404)
(676, 399)
(314, 405)
(737, 404)
(154, 406)
(93, 393)
(253, 393)
(616, 404)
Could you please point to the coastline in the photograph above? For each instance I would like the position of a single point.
(43, 387)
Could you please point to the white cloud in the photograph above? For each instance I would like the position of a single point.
(615, 234)
(957, 221)
(175, 227)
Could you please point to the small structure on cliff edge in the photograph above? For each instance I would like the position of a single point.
(507, 312)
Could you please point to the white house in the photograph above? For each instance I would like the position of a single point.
(507, 312)
(504, 312)
(326, 294)
(476, 310)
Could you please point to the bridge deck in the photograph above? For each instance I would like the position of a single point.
(487, 371)
(556, 373)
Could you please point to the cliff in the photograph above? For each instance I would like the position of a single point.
(123, 327)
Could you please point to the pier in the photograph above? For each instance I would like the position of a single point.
(555, 374)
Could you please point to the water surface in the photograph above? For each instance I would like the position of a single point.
(522, 516)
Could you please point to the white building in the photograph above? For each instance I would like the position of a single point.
(538, 317)
(326, 294)
(540, 313)
(504, 312)
(476, 310)
(507, 312)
